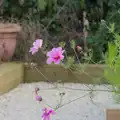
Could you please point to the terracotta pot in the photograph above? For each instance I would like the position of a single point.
(8, 34)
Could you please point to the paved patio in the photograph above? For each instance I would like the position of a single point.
(20, 104)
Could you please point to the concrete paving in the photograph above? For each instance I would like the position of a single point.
(20, 104)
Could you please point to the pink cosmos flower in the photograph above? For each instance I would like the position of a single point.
(33, 50)
(37, 97)
(36, 46)
(55, 55)
(38, 43)
(47, 113)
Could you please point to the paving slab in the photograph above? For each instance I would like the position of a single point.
(20, 104)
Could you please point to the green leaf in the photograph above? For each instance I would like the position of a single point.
(113, 76)
(41, 4)
(112, 28)
(117, 77)
(72, 43)
(82, 4)
(112, 52)
(70, 62)
(118, 62)
(62, 44)
(117, 39)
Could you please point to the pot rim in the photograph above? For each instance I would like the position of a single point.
(9, 28)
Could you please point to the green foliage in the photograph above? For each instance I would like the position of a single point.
(62, 44)
(100, 34)
(99, 40)
(72, 43)
(82, 5)
(112, 28)
(112, 52)
(41, 4)
(112, 71)
(23, 8)
(69, 63)
(59, 19)
(88, 57)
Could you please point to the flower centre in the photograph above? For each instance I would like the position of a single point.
(57, 57)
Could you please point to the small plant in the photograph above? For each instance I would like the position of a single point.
(36, 46)
(47, 113)
(69, 63)
(62, 44)
(112, 70)
(55, 55)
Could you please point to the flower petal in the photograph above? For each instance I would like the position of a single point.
(59, 49)
(33, 50)
(52, 112)
(57, 61)
(38, 43)
(55, 55)
(52, 53)
(49, 60)
(61, 57)
(49, 54)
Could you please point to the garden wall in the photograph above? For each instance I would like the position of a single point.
(56, 73)
(12, 74)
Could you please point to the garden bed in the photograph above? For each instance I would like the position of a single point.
(92, 74)
(12, 74)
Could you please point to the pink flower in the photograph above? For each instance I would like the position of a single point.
(38, 43)
(55, 55)
(36, 46)
(47, 113)
(33, 50)
(37, 97)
